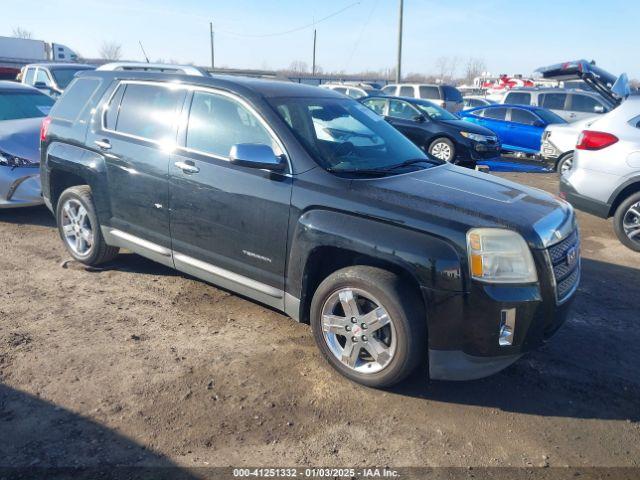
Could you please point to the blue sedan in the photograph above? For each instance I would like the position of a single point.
(518, 127)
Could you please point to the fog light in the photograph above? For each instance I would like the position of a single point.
(507, 327)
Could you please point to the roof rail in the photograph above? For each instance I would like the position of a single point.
(153, 67)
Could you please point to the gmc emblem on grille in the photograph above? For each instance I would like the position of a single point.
(572, 256)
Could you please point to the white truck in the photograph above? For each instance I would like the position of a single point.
(19, 51)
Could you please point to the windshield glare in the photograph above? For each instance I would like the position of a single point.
(18, 105)
(344, 135)
(434, 112)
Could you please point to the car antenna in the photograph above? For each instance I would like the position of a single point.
(143, 52)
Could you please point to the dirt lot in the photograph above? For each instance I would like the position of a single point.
(138, 365)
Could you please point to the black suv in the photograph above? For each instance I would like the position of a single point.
(309, 202)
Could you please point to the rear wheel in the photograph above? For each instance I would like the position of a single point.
(79, 227)
(443, 149)
(369, 325)
(564, 164)
(626, 222)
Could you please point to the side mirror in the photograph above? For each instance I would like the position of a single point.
(42, 86)
(598, 109)
(254, 155)
(539, 123)
(419, 119)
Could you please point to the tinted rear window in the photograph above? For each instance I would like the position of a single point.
(149, 111)
(586, 104)
(553, 101)
(518, 98)
(75, 98)
(15, 105)
(522, 116)
(406, 92)
(429, 92)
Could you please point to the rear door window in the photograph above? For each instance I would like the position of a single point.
(356, 93)
(586, 104)
(75, 98)
(495, 113)
(407, 92)
(149, 112)
(376, 104)
(389, 89)
(217, 122)
(42, 77)
(400, 109)
(522, 116)
(429, 92)
(553, 101)
(518, 98)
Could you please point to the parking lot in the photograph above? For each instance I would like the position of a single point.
(135, 364)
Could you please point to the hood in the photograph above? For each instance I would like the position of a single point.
(21, 138)
(457, 199)
(612, 88)
(463, 125)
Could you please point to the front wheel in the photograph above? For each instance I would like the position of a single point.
(443, 149)
(79, 228)
(626, 222)
(369, 325)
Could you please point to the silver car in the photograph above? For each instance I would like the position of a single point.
(444, 96)
(604, 178)
(21, 111)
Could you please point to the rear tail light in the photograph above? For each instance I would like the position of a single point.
(592, 140)
(44, 128)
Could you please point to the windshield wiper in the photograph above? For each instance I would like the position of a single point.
(414, 161)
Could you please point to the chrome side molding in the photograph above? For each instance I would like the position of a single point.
(141, 242)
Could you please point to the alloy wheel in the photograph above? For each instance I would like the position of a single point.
(76, 227)
(631, 223)
(358, 330)
(442, 151)
(566, 166)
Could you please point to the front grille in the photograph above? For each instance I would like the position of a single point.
(566, 273)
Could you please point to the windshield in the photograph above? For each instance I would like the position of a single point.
(434, 112)
(17, 105)
(344, 135)
(549, 116)
(63, 76)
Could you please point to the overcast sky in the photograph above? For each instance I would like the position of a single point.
(512, 36)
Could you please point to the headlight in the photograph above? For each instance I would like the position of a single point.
(7, 160)
(500, 256)
(475, 136)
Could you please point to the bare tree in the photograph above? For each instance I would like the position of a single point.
(442, 66)
(474, 68)
(453, 67)
(19, 32)
(110, 51)
(298, 66)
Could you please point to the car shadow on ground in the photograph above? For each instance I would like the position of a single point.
(41, 440)
(589, 369)
(40, 216)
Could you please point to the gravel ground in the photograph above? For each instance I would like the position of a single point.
(135, 364)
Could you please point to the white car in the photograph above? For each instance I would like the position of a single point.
(604, 179)
(559, 142)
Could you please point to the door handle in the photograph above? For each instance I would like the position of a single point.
(186, 167)
(104, 144)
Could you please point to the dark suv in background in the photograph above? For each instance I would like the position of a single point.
(307, 201)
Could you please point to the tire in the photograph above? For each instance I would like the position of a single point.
(76, 217)
(564, 164)
(443, 149)
(625, 220)
(399, 345)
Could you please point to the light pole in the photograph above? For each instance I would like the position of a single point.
(211, 37)
(313, 65)
(399, 65)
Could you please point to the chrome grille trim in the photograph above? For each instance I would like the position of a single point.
(566, 278)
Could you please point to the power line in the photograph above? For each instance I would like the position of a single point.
(293, 30)
(364, 26)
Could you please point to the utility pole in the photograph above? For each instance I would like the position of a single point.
(313, 64)
(213, 63)
(399, 65)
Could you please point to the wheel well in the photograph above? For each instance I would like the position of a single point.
(623, 195)
(563, 156)
(59, 181)
(323, 261)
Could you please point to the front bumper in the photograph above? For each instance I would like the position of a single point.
(586, 204)
(19, 187)
(464, 327)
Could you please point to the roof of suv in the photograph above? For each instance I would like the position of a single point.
(82, 66)
(239, 84)
(552, 90)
